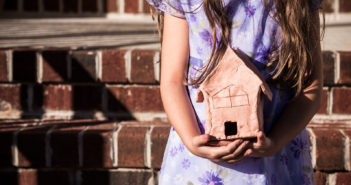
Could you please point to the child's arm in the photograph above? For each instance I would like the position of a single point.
(176, 102)
(298, 113)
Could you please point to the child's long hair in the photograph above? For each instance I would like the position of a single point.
(291, 61)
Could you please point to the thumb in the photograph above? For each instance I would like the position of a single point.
(260, 139)
(201, 139)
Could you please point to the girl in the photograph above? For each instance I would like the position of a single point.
(281, 37)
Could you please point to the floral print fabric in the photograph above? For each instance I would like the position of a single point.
(254, 32)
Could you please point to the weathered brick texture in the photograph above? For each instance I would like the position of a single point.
(341, 100)
(329, 149)
(114, 66)
(142, 66)
(345, 68)
(159, 136)
(131, 147)
(83, 151)
(3, 66)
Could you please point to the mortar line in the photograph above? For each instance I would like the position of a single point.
(121, 6)
(98, 65)
(115, 144)
(346, 151)
(39, 62)
(147, 149)
(9, 61)
(331, 179)
(127, 60)
(14, 147)
(140, 6)
(337, 67)
(48, 149)
(157, 66)
(313, 150)
(80, 146)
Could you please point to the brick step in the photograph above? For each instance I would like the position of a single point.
(82, 144)
(83, 32)
(117, 83)
(130, 152)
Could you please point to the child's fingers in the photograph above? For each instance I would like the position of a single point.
(240, 158)
(237, 152)
(226, 150)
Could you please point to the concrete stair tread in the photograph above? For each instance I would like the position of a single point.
(76, 33)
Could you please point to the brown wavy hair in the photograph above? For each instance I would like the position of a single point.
(291, 61)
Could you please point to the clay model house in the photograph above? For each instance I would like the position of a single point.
(233, 93)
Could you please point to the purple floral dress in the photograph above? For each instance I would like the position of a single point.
(252, 30)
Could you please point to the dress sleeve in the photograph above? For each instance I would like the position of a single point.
(172, 7)
(315, 5)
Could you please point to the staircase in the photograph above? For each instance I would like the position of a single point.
(80, 101)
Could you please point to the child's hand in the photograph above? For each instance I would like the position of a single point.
(233, 152)
(263, 147)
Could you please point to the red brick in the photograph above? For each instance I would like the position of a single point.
(328, 67)
(113, 66)
(55, 66)
(70, 6)
(3, 67)
(97, 145)
(93, 177)
(329, 149)
(89, 6)
(10, 97)
(87, 97)
(345, 6)
(10, 5)
(341, 100)
(51, 5)
(84, 66)
(30, 5)
(57, 97)
(323, 108)
(24, 66)
(131, 146)
(134, 98)
(27, 177)
(320, 178)
(328, 6)
(159, 136)
(142, 66)
(31, 146)
(56, 177)
(343, 178)
(64, 146)
(345, 67)
(110, 6)
(131, 6)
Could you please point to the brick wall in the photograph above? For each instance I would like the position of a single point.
(73, 7)
(107, 83)
(100, 7)
(38, 86)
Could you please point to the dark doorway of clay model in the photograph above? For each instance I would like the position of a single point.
(230, 128)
